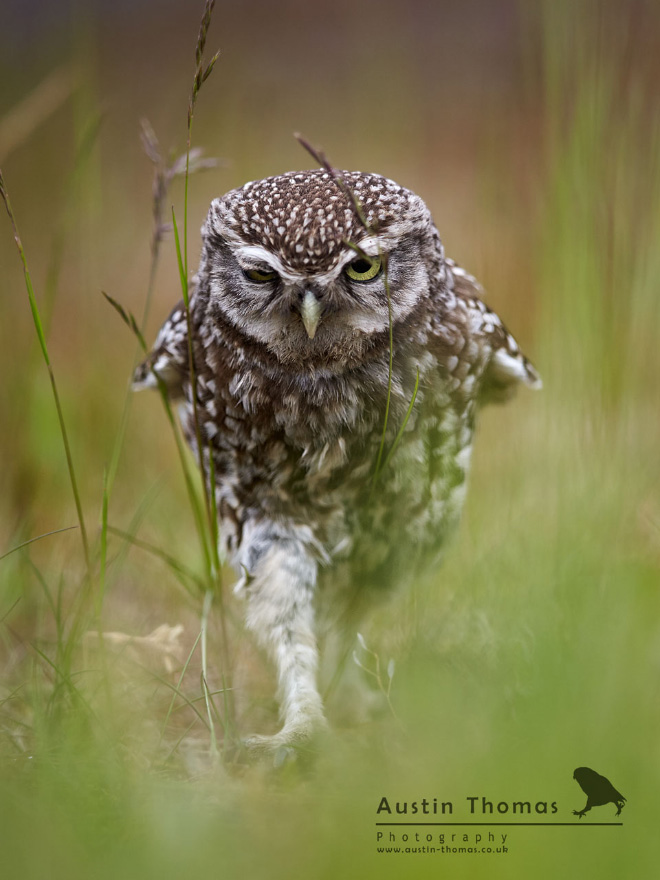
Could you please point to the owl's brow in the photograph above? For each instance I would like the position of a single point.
(254, 253)
(356, 247)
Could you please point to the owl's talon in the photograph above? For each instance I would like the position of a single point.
(270, 748)
(284, 755)
(287, 746)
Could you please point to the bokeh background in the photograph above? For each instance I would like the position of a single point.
(532, 130)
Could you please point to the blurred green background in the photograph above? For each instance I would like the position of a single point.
(532, 130)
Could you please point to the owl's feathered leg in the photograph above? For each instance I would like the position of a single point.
(280, 586)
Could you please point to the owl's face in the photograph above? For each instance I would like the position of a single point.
(290, 264)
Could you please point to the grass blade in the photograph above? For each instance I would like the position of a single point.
(399, 434)
(181, 571)
(390, 364)
(178, 687)
(183, 275)
(38, 538)
(44, 350)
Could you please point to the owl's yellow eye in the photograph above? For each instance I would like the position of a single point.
(364, 268)
(260, 276)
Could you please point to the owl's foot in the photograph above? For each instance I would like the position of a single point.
(294, 742)
(579, 813)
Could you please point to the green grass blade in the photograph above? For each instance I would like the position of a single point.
(128, 319)
(38, 538)
(181, 571)
(44, 349)
(206, 608)
(103, 548)
(178, 687)
(399, 435)
(381, 448)
(183, 275)
(130, 322)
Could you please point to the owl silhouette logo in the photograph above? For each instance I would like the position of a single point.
(598, 789)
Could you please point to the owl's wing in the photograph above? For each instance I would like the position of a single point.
(168, 359)
(507, 366)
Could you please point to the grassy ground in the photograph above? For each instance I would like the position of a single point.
(537, 648)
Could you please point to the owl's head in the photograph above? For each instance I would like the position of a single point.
(291, 263)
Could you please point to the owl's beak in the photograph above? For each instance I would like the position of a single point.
(310, 311)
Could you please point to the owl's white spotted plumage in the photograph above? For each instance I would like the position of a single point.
(290, 330)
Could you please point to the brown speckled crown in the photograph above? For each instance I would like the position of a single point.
(306, 217)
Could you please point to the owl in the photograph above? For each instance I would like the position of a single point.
(339, 361)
